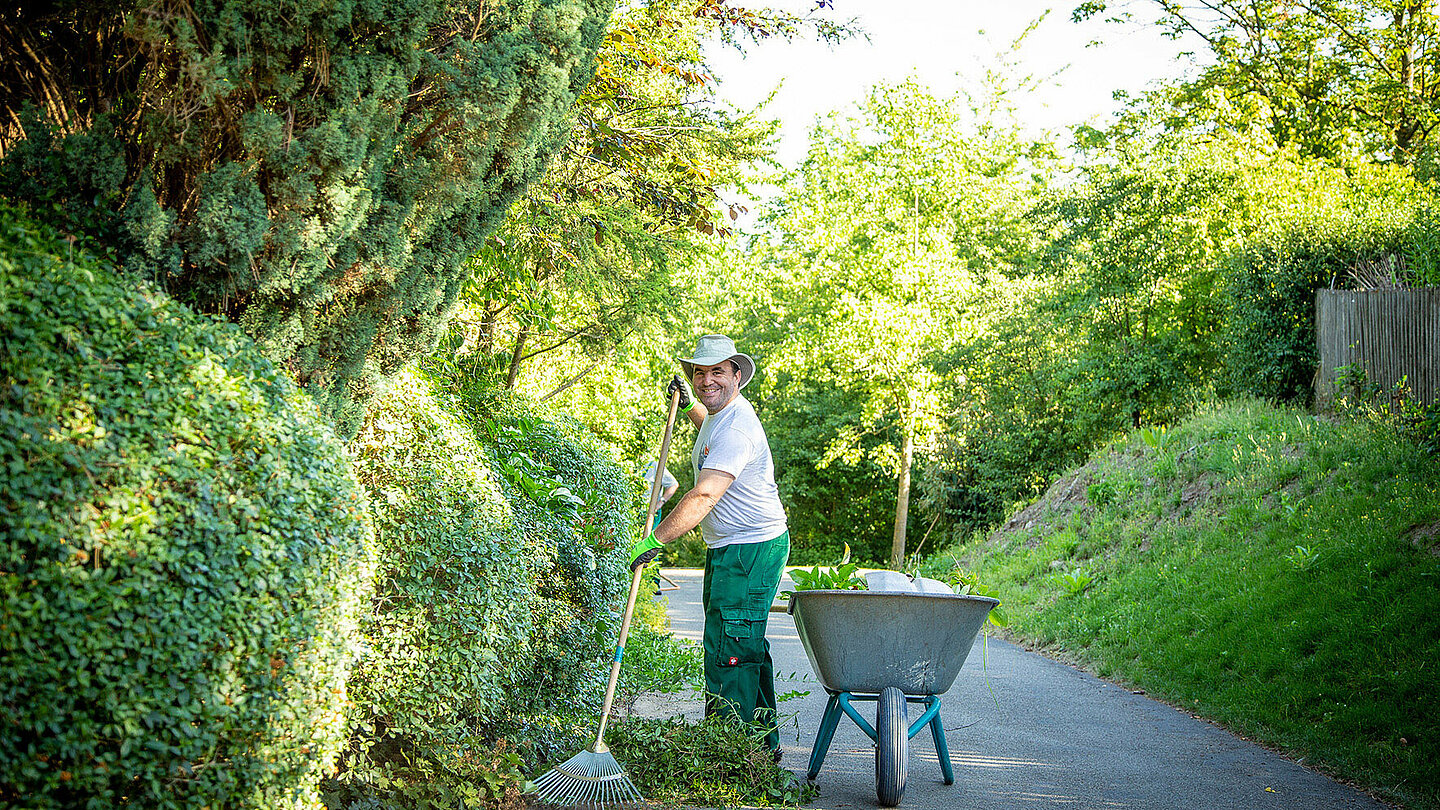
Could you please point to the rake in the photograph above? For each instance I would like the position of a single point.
(592, 778)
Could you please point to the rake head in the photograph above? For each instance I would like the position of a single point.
(588, 779)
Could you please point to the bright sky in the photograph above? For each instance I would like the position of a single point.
(945, 43)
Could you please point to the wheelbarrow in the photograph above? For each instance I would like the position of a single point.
(891, 649)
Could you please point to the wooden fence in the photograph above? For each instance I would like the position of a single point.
(1392, 334)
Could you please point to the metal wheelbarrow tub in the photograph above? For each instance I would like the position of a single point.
(865, 641)
(890, 649)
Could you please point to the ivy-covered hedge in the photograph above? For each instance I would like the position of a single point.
(496, 605)
(183, 551)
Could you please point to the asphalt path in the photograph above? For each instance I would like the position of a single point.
(1024, 732)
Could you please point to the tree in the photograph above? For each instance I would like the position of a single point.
(1336, 78)
(868, 282)
(589, 258)
(315, 172)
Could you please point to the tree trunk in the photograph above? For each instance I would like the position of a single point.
(516, 357)
(902, 501)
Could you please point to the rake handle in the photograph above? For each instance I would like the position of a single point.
(655, 487)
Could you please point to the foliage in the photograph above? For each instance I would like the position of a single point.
(841, 577)
(448, 633)
(842, 503)
(582, 583)
(495, 606)
(714, 763)
(655, 660)
(967, 583)
(1337, 79)
(185, 550)
(865, 287)
(315, 172)
(1269, 298)
(1200, 597)
(593, 254)
(1396, 408)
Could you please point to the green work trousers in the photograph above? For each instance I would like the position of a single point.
(740, 584)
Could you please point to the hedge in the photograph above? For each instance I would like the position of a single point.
(498, 593)
(183, 550)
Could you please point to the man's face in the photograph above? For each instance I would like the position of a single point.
(715, 385)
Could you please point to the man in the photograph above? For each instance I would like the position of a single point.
(736, 506)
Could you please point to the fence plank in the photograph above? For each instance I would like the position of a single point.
(1393, 335)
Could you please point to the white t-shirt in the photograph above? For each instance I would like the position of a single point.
(733, 442)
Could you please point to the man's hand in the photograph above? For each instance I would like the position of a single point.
(678, 384)
(644, 550)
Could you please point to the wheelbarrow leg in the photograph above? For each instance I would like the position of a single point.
(825, 735)
(937, 730)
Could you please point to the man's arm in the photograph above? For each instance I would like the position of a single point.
(697, 418)
(694, 505)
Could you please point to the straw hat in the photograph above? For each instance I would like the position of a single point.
(712, 350)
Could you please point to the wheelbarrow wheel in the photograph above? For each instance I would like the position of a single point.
(892, 747)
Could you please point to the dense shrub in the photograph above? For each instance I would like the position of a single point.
(184, 551)
(496, 602)
(315, 171)
(1268, 337)
(585, 577)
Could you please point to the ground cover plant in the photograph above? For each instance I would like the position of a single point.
(1260, 566)
(183, 550)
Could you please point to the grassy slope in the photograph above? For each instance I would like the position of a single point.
(1199, 595)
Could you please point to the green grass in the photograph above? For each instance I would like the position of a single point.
(1277, 573)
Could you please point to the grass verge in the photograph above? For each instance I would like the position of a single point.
(1275, 572)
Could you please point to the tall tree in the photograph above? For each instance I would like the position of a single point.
(1335, 78)
(317, 172)
(870, 282)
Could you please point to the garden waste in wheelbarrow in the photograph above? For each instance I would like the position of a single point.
(890, 649)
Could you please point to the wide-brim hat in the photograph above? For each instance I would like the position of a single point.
(713, 350)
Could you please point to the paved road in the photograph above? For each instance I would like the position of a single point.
(1040, 734)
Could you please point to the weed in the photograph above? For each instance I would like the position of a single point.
(967, 583)
(1303, 558)
(1101, 493)
(1075, 581)
(820, 578)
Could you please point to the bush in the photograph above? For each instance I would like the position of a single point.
(585, 575)
(452, 617)
(495, 608)
(315, 171)
(184, 551)
(1268, 337)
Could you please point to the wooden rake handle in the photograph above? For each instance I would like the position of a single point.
(655, 487)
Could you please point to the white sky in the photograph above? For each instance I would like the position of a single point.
(945, 43)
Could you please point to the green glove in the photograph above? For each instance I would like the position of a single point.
(644, 551)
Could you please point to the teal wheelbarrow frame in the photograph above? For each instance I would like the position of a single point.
(891, 649)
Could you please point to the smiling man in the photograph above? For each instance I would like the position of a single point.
(736, 506)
